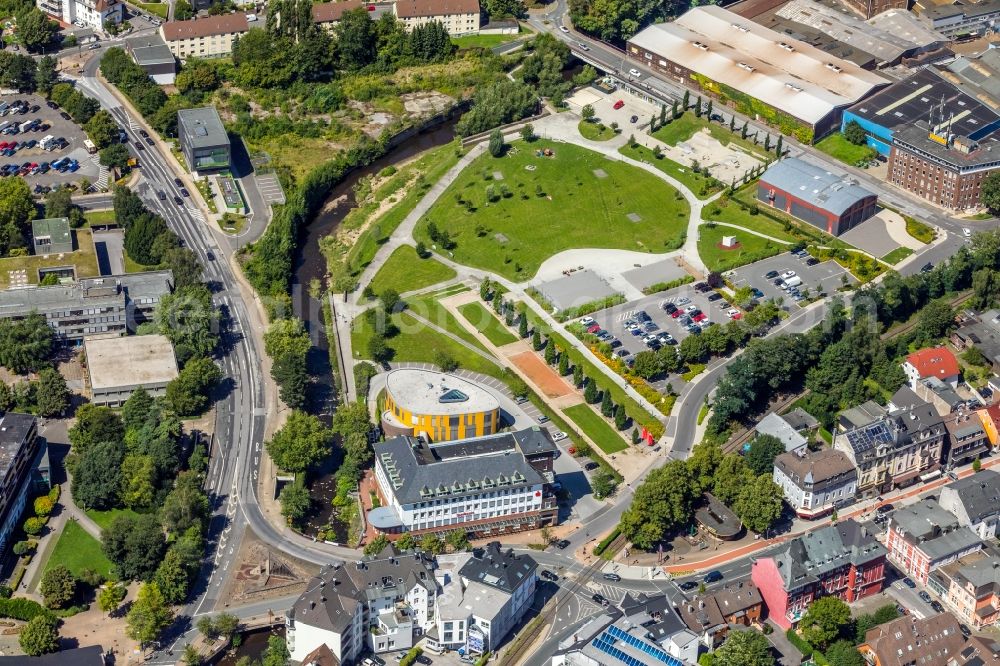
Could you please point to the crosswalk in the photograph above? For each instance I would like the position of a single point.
(195, 213)
(103, 177)
(622, 316)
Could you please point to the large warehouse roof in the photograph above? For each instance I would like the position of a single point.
(814, 185)
(787, 74)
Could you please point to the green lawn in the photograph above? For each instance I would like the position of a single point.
(487, 324)
(917, 229)
(482, 41)
(685, 127)
(897, 255)
(733, 213)
(595, 131)
(105, 518)
(156, 8)
(838, 147)
(697, 183)
(99, 217)
(427, 306)
(77, 550)
(752, 248)
(513, 235)
(405, 271)
(83, 258)
(596, 428)
(132, 266)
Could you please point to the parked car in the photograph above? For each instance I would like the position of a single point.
(543, 419)
(926, 597)
(548, 575)
(713, 576)
(936, 605)
(683, 300)
(787, 275)
(562, 544)
(634, 72)
(634, 119)
(714, 296)
(688, 585)
(669, 307)
(885, 508)
(559, 436)
(587, 321)
(908, 582)
(612, 577)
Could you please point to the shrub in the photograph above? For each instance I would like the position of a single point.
(411, 657)
(800, 643)
(33, 526)
(606, 541)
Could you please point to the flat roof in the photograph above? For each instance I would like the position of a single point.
(978, 76)
(202, 127)
(783, 72)
(430, 392)
(15, 429)
(149, 50)
(815, 185)
(135, 360)
(54, 228)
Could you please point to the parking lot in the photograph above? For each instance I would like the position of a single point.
(826, 276)
(605, 111)
(52, 124)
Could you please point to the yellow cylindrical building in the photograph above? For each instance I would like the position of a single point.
(437, 406)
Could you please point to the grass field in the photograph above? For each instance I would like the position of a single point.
(685, 127)
(897, 255)
(734, 214)
(429, 307)
(155, 8)
(697, 183)
(596, 428)
(838, 147)
(487, 324)
(752, 248)
(405, 271)
(595, 131)
(77, 550)
(105, 518)
(99, 217)
(559, 205)
(917, 229)
(135, 267)
(482, 41)
(83, 258)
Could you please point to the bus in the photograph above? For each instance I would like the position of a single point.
(930, 476)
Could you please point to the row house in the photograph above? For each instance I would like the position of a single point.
(842, 560)
(923, 537)
(710, 616)
(967, 438)
(975, 502)
(970, 587)
(208, 37)
(891, 448)
(459, 17)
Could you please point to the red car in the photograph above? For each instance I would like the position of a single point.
(738, 315)
(594, 328)
(619, 104)
(698, 317)
(676, 313)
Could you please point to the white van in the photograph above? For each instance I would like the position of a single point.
(793, 281)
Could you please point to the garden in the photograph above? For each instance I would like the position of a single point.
(509, 214)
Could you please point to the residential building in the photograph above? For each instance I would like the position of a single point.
(940, 395)
(982, 332)
(801, 421)
(776, 426)
(970, 588)
(990, 417)
(815, 483)
(975, 502)
(893, 450)
(51, 236)
(208, 37)
(642, 630)
(922, 537)
(860, 416)
(488, 485)
(371, 604)
(459, 17)
(437, 407)
(753, 69)
(154, 56)
(203, 139)
(967, 439)
(935, 362)
(842, 560)
(709, 616)
(113, 304)
(120, 366)
(92, 655)
(92, 14)
(833, 203)
(962, 21)
(489, 596)
(20, 454)
(911, 640)
(327, 15)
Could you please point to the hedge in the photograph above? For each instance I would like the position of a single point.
(410, 657)
(663, 286)
(21, 609)
(606, 541)
(800, 643)
(483, 659)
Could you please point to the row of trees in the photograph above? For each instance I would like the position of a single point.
(287, 344)
(17, 210)
(24, 74)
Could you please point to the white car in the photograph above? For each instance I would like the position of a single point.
(634, 72)
(787, 274)
(690, 308)
(683, 300)
(967, 231)
(587, 321)
(563, 28)
(732, 313)
(559, 436)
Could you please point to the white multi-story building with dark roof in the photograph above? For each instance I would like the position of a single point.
(487, 485)
(814, 483)
(975, 502)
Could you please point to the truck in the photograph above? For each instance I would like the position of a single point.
(793, 281)
(47, 143)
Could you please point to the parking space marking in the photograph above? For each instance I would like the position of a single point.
(622, 316)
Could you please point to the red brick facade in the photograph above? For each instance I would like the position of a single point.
(933, 182)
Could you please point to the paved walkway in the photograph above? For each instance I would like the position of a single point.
(448, 334)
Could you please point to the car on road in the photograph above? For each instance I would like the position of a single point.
(612, 577)
(178, 182)
(184, 192)
(178, 201)
(599, 598)
(634, 119)
(619, 104)
(562, 544)
(559, 436)
(967, 232)
(563, 28)
(713, 576)
(634, 72)
(548, 575)
(688, 585)
(908, 582)
(149, 141)
(936, 605)
(926, 597)
(583, 47)
(927, 268)
(884, 509)
(143, 133)
(210, 256)
(424, 659)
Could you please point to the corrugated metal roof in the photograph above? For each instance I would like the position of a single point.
(815, 185)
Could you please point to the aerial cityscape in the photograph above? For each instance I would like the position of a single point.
(513, 332)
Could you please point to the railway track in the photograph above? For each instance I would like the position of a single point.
(914, 322)
(518, 651)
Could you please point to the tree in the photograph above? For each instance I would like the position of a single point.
(111, 597)
(590, 391)
(406, 542)
(355, 40)
(58, 587)
(458, 539)
(137, 409)
(45, 74)
(484, 289)
(25, 344)
(390, 300)
(59, 203)
(186, 505)
(731, 477)
(377, 545)
(429, 543)
(603, 483)
(377, 348)
(577, 375)
(502, 8)
(621, 418)
(190, 320)
(607, 406)
(759, 503)
(843, 653)
(647, 364)
(499, 103)
(935, 319)
(190, 655)
(189, 393)
(763, 450)
(95, 424)
(276, 653)
(778, 150)
(536, 339)
(39, 636)
(138, 481)
(587, 112)
(35, 30)
(295, 502)
(528, 132)
(990, 192)
(97, 478)
(51, 393)
(148, 616)
(550, 351)
(563, 363)
(115, 156)
(522, 326)
(854, 133)
(135, 546)
(141, 235)
(301, 443)
(823, 621)
(662, 502)
(977, 465)
(102, 129)
(171, 577)
(497, 144)
(744, 648)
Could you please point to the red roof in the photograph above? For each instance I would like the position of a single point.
(934, 362)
